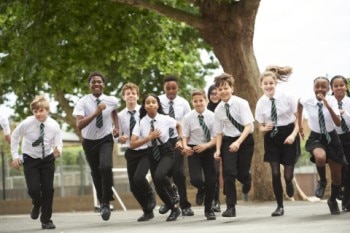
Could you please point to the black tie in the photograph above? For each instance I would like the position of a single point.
(155, 149)
(40, 140)
(322, 123)
(171, 114)
(204, 127)
(344, 127)
(132, 120)
(99, 119)
(233, 121)
(273, 117)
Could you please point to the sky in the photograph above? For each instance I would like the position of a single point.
(312, 36)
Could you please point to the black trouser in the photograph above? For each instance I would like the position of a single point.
(217, 181)
(178, 175)
(236, 165)
(160, 170)
(200, 163)
(39, 175)
(137, 164)
(99, 154)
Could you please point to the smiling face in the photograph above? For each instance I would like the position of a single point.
(199, 102)
(171, 88)
(96, 85)
(225, 91)
(339, 88)
(214, 97)
(130, 96)
(268, 85)
(321, 87)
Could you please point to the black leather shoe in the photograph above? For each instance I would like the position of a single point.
(210, 215)
(246, 186)
(173, 215)
(333, 207)
(278, 212)
(146, 217)
(216, 206)
(187, 212)
(200, 196)
(290, 189)
(163, 209)
(48, 225)
(105, 211)
(229, 212)
(34, 214)
(321, 187)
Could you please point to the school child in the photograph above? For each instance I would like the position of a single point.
(276, 113)
(323, 143)
(233, 125)
(41, 145)
(339, 86)
(136, 159)
(199, 147)
(176, 107)
(153, 131)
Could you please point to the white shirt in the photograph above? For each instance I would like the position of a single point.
(86, 106)
(5, 125)
(345, 115)
(239, 110)
(311, 107)
(29, 131)
(286, 107)
(193, 129)
(180, 105)
(124, 124)
(162, 123)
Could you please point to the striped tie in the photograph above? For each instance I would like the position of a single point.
(40, 140)
(204, 127)
(233, 121)
(171, 114)
(344, 127)
(322, 123)
(99, 119)
(132, 120)
(273, 117)
(155, 149)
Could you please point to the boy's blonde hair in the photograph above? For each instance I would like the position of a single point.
(131, 86)
(224, 78)
(199, 92)
(39, 102)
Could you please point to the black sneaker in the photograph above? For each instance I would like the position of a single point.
(105, 211)
(333, 207)
(34, 214)
(173, 215)
(229, 212)
(164, 209)
(320, 189)
(187, 212)
(49, 225)
(216, 206)
(146, 217)
(210, 215)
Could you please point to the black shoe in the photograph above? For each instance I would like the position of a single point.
(333, 207)
(163, 209)
(246, 186)
(175, 194)
(290, 189)
(321, 187)
(278, 212)
(216, 206)
(48, 225)
(187, 212)
(34, 214)
(340, 194)
(200, 196)
(146, 217)
(210, 215)
(173, 215)
(229, 212)
(105, 211)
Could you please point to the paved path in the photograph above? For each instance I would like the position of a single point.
(300, 216)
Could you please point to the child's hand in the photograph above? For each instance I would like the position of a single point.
(16, 163)
(56, 152)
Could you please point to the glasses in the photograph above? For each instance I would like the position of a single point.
(213, 93)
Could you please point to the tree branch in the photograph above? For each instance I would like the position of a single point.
(165, 10)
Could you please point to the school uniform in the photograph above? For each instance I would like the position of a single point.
(181, 108)
(201, 163)
(5, 125)
(316, 139)
(98, 143)
(159, 168)
(345, 141)
(137, 162)
(236, 165)
(38, 160)
(276, 151)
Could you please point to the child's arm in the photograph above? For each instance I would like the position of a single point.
(300, 119)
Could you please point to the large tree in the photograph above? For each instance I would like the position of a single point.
(227, 26)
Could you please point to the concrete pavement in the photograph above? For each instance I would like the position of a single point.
(252, 217)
